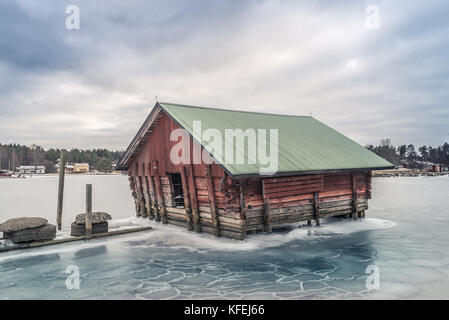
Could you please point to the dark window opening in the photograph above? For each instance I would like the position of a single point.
(176, 183)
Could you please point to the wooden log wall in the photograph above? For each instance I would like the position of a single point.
(312, 197)
(215, 203)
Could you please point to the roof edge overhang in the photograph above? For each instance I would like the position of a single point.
(303, 173)
(123, 163)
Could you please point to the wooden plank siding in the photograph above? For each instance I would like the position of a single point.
(216, 203)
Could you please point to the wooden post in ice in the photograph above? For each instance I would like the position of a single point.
(88, 211)
(316, 207)
(62, 160)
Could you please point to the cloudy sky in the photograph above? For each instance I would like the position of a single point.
(93, 87)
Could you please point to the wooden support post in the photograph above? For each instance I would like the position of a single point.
(62, 160)
(146, 195)
(160, 195)
(309, 223)
(193, 199)
(132, 185)
(267, 211)
(88, 211)
(185, 192)
(143, 204)
(138, 197)
(242, 192)
(368, 178)
(316, 207)
(153, 197)
(148, 199)
(354, 197)
(212, 204)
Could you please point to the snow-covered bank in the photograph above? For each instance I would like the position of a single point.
(174, 236)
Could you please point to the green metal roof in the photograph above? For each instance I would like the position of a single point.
(304, 143)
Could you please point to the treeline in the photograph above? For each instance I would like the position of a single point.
(13, 155)
(414, 157)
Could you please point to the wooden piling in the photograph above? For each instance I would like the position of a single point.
(145, 195)
(242, 191)
(153, 197)
(88, 211)
(316, 207)
(148, 200)
(212, 204)
(193, 199)
(354, 197)
(61, 188)
(132, 185)
(185, 191)
(267, 211)
(160, 195)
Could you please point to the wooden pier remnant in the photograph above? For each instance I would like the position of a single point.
(62, 160)
(88, 211)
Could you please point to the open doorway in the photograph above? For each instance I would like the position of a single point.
(178, 195)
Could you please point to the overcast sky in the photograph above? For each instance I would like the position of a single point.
(93, 87)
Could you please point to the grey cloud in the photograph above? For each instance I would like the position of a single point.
(94, 86)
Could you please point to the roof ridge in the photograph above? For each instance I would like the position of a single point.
(231, 110)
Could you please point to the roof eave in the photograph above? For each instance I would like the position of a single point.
(123, 163)
(307, 172)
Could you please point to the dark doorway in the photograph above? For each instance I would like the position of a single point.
(176, 183)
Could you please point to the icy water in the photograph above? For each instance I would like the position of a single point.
(405, 238)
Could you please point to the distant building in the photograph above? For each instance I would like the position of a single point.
(80, 167)
(31, 169)
(437, 168)
(68, 167)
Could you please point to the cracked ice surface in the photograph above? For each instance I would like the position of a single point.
(405, 236)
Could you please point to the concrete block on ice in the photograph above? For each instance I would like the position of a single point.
(97, 217)
(23, 223)
(42, 233)
(80, 229)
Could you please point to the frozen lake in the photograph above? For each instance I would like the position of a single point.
(405, 238)
(37, 196)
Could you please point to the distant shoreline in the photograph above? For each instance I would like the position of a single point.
(408, 173)
(68, 174)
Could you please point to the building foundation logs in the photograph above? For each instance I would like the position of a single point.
(185, 192)
(159, 194)
(132, 185)
(153, 196)
(194, 199)
(231, 208)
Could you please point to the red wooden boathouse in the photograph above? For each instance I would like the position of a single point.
(320, 173)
